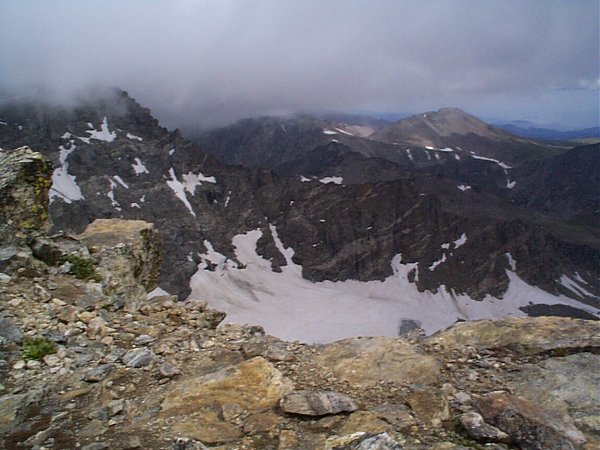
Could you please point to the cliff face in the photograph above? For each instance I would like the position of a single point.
(112, 160)
(88, 361)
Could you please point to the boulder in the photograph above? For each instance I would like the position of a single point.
(128, 254)
(529, 424)
(525, 335)
(369, 361)
(316, 403)
(362, 441)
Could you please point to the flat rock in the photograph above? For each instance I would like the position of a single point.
(138, 357)
(529, 424)
(254, 385)
(526, 335)
(569, 384)
(10, 331)
(369, 361)
(317, 403)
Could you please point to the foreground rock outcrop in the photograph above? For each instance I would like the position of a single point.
(88, 361)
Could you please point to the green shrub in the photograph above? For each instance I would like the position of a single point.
(82, 268)
(37, 348)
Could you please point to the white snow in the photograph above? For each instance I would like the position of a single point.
(143, 198)
(171, 152)
(335, 180)
(409, 154)
(104, 134)
(428, 155)
(111, 195)
(463, 187)
(66, 135)
(329, 132)
(483, 158)
(575, 287)
(457, 156)
(179, 189)
(447, 149)
(134, 137)
(64, 185)
(460, 241)
(293, 308)
(510, 184)
(192, 180)
(437, 156)
(119, 180)
(135, 205)
(304, 179)
(228, 199)
(157, 292)
(3, 123)
(429, 147)
(438, 262)
(344, 132)
(139, 167)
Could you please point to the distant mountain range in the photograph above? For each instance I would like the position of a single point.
(534, 132)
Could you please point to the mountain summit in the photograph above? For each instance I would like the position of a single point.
(430, 128)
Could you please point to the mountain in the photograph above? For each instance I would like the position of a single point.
(532, 132)
(315, 259)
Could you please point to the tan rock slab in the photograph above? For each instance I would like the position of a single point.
(368, 361)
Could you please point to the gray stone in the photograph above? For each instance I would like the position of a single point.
(188, 444)
(476, 427)
(363, 441)
(530, 425)
(168, 370)
(138, 357)
(99, 373)
(317, 403)
(143, 339)
(10, 331)
(96, 446)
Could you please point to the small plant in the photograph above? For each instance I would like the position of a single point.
(37, 348)
(82, 268)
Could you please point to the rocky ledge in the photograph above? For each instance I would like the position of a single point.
(88, 361)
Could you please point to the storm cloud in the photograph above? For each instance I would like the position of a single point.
(206, 63)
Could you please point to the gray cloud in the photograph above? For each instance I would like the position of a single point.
(208, 62)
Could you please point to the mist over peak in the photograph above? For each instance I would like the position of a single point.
(202, 64)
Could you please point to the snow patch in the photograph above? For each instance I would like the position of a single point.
(575, 287)
(304, 179)
(157, 292)
(171, 152)
(293, 308)
(111, 195)
(329, 132)
(428, 147)
(103, 135)
(179, 189)
(119, 180)
(409, 154)
(510, 184)
(139, 167)
(344, 132)
(192, 180)
(134, 137)
(335, 180)
(483, 158)
(460, 241)
(457, 156)
(135, 205)
(438, 262)
(64, 185)
(463, 187)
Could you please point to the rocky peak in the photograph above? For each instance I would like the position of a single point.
(24, 185)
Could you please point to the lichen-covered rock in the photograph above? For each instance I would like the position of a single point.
(128, 254)
(524, 335)
(317, 403)
(529, 424)
(24, 185)
(369, 361)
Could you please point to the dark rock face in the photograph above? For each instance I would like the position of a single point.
(113, 160)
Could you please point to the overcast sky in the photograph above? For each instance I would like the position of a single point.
(208, 62)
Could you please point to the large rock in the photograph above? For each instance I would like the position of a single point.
(369, 361)
(362, 441)
(24, 184)
(196, 403)
(128, 252)
(10, 331)
(526, 335)
(317, 403)
(529, 424)
(569, 384)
